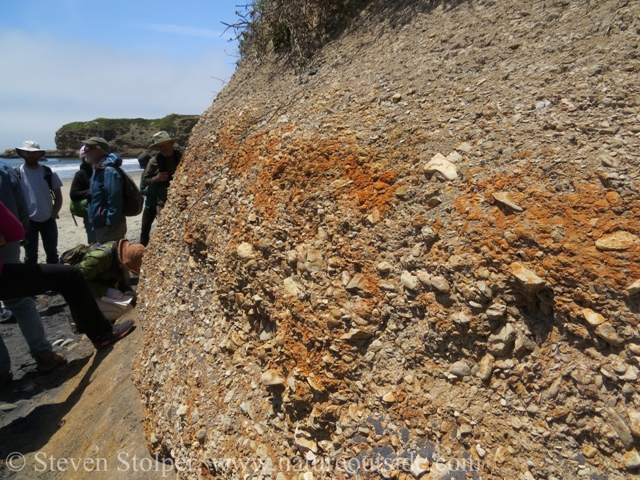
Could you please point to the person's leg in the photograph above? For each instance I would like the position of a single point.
(49, 233)
(30, 324)
(24, 280)
(148, 216)
(31, 247)
(5, 361)
(91, 234)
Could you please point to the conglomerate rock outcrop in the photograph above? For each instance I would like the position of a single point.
(417, 257)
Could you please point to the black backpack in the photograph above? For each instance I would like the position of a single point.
(132, 199)
(74, 255)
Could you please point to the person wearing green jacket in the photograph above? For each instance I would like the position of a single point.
(104, 267)
(162, 167)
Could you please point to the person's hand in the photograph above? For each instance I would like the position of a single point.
(55, 216)
(162, 177)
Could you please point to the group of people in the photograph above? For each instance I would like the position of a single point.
(104, 220)
(30, 203)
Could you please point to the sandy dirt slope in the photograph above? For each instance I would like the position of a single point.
(81, 421)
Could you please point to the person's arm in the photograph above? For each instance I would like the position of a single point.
(10, 227)
(21, 200)
(151, 173)
(123, 283)
(57, 203)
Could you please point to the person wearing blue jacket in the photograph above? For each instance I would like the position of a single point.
(105, 209)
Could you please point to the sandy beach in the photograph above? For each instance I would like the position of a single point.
(70, 234)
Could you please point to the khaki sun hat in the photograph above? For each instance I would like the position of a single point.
(29, 146)
(97, 142)
(161, 137)
(131, 255)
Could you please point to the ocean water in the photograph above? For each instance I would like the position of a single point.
(66, 168)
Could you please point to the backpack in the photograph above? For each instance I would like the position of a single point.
(132, 199)
(74, 255)
(79, 208)
(48, 174)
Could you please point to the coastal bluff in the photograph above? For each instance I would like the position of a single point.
(126, 136)
(413, 255)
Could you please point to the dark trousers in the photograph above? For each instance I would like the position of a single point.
(48, 230)
(19, 280)
(91, 233)
(148, 216)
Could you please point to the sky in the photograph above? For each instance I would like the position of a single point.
(78, 60)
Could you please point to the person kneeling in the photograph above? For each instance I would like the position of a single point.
(105, 267)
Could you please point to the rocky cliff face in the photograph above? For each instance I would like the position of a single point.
(127, 137)
(416, 258)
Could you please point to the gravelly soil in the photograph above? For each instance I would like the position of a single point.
(324, 294)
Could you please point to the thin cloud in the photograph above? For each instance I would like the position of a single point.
(66, 81)
(179, 30)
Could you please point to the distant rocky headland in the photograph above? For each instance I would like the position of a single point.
(126, 136)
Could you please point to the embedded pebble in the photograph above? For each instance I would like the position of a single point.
(617, 241)
(631, 460)
(409, 281)
(496, 311)
(608, 333)
(443, 166)
(271, 378)
(440, 283)
(505, 199)
(594, 319)
(486, 367)
(634, 288)
(460, 369)
(384, 267)
(480, 451)
(245, 250)
(529, 280)
(389, 397)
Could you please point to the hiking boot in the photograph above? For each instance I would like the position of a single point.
(6, 377)
(48, 361)
(119, 331)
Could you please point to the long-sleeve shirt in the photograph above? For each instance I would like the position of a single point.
(152, 170)
(102, 271)
(10, 228)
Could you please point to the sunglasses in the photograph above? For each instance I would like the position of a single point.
(89, 147)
